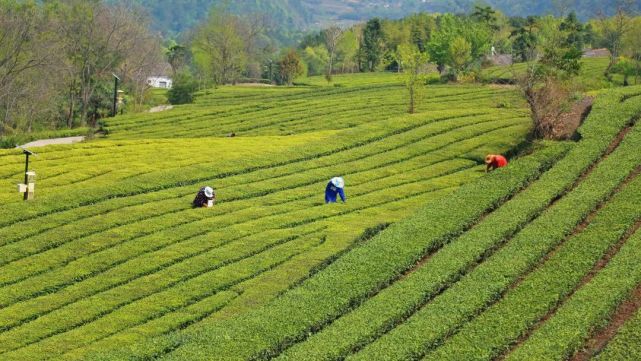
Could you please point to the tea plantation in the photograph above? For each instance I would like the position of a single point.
(429, 258)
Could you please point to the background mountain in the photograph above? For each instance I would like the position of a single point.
(174, 16)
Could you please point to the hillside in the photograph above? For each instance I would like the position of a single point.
(538, 261)
(111, 252)
(174, 16)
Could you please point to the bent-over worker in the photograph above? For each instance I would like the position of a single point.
(205, 198)
(334, 188)
(495, 161)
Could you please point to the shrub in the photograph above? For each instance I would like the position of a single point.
(183, 89)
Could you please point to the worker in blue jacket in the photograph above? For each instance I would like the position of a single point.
(334, 189)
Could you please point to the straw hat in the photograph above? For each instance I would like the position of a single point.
(489, 159)
(338, 182)
(209, 192)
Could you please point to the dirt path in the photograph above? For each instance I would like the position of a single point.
(161, 108)
(44, 142)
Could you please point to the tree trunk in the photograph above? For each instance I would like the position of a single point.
(72, 103)
(411, 110)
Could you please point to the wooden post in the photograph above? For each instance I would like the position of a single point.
(31, 186)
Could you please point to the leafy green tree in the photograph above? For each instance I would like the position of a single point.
(421, 27)
(413, 63)
(219, 47)
(460, 55)
(451, 27)
(290, 67)
(486, 15)
(347, 50)
(524, 40)
(626, 67)
(183, 88)
(395, 34)
(632, 46)
(372, 44)
(177, 56)
(562, 44)
(575, 32)
(315, 59)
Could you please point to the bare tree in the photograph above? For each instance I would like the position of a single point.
(333, 35)
(614, 30)
(20, 26)
(142, 60)
(98, 38)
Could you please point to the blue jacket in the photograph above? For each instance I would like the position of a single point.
(332, 192)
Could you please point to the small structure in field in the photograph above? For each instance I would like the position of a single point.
(161, 82)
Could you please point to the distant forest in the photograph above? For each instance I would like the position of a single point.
(296, 16)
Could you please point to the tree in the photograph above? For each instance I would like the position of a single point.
(372, 44)
(460, 55)
(97, 38)
(316, 59)
(290, 67)
(346, 51)
(451, 27)
(613, 30)
(626, 67)
(183, 88)
(486, 15)
(525, 40)
(632, 46)
(413, 62)
(575, 32)
(219, 47)
(176, 57)
(563, 46)
(18, 56)
(333, 36)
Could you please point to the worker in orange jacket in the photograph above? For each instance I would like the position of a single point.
(495, 161)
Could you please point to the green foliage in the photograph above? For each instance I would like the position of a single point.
(219, 47)
(458, 43)
(524, 40)
(628, 68)
(413, 63)
(460, 54)
(290, 67)
(315, 59)
(372, 44)
(183, 88)
(177, 56)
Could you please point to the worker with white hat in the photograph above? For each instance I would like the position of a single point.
(205, 198)
(335, 188)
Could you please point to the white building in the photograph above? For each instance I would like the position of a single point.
(159, 82)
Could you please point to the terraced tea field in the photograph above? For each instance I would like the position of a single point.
(539, 261)
(110, 254)
(590, 76)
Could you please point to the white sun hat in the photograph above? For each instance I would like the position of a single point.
(209, 192)
(338, 182)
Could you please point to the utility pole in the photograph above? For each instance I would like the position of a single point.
(115, 105)
(28, 188)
